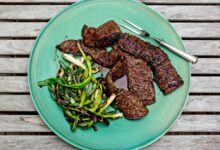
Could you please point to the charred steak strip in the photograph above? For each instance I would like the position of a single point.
(103, 36)
(69, 46)
(165, 74)
(128, 103)
(140, 81)
(100, 56)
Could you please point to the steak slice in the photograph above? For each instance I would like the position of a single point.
(99, 55)
(103, 36)
(69, 46)
(140, 80)
(165, 74)
(128, 103)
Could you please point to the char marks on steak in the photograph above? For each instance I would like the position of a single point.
(165, 74)
(99, 55)
(128, 103)
(69, 46)
(140, 79)
(103, 36)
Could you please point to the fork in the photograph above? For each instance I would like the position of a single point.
(143, 33)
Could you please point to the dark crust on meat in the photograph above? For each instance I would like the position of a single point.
(103, 36)
(140, 81)
(69, 46)
(165, 74)
(128, 103)
(103, 57)
(99, 55)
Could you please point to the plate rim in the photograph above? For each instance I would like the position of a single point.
(44, 117)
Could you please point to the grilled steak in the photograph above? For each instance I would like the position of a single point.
(165, 74)
(129, 104)
(103, 36)
(140, 80)
(69, 46)
(99, 55)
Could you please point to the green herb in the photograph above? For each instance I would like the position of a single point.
(81, 96)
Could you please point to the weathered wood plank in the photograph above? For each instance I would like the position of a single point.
(186, 30)
(146, 1)
(203, 104)
(18, 142)
(171, 142)
(16, 103)
(24, 103)
(173, 12)
(198, 84)
(212, 66)
(205, 84)
(181, 1)
(203, 47)
(20, 29)
(15, 47)
(33, 123)
(196, 47)
(197, 123)
(20, 65)
(13, 65)
(13, 84)
(184, 142)
(22, 123)
(194, 30)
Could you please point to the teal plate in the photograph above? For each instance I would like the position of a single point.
(122, 133)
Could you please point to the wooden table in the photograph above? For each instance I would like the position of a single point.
(197, 21)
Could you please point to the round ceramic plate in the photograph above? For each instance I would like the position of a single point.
(122, 133)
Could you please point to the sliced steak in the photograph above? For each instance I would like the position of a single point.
(165, 74)
(99, 55)
(140, 79)
(103, 36)
(69, 46)
(129, 104)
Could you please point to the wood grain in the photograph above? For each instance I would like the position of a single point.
(13, 65)
(174, 12)
(196, 47)
(13, 84)
(33, 123)
(192, 142)
(203, 47)
(23, 103)
(20, 65)
(197, 30)
(17, 84)
(205, 84)
(15, 47)
(17, 103)
(186, 30)
(20, 29)
(146, 1)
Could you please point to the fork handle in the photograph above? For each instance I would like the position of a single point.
(190, 58)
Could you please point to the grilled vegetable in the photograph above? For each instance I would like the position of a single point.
(80, 95)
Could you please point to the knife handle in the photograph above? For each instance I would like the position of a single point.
(190, 58)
